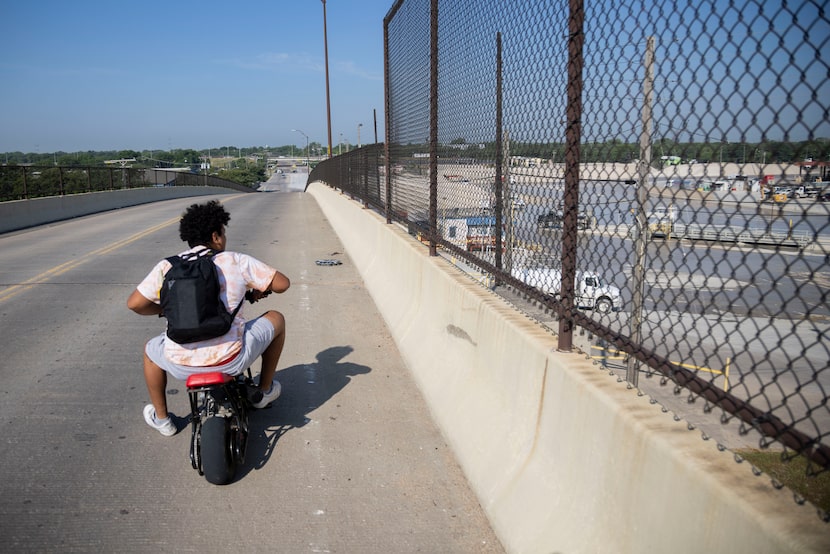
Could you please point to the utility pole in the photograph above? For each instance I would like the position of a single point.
(328, 96)
(641, 225)
(307, 160)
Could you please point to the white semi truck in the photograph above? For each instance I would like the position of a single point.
(590, 291)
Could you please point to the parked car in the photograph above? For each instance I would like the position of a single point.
(824, 197)
(806, 191)
(553, 219)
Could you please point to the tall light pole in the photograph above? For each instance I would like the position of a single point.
(307, 166)
(359, 125)
(328, 97)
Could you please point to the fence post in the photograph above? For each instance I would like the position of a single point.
(364, 162)
(573, 136)
(641, 225)
(433, 128)
(499, 184)
(387, 124)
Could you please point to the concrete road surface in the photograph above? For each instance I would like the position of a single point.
(347, 460)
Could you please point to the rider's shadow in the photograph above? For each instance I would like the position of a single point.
(305, 387)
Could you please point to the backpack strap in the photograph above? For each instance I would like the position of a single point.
(206, 253)
(212, 254)
(233, 313)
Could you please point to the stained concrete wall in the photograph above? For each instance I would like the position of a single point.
(562, 456)
(19, 214)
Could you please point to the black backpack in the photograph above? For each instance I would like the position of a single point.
(190, 299)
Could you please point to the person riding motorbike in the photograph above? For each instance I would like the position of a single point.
(203, 228)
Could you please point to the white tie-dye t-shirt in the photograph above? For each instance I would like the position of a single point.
(237, 273)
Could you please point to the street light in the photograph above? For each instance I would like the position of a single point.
(763, 163)
(328, 97)
(359, 125)
(307, 167)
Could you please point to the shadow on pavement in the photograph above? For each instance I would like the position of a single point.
(305, 388)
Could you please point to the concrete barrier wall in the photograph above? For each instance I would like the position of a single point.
(562, 456)
(20, 214)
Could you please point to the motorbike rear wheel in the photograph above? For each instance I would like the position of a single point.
(217, 462)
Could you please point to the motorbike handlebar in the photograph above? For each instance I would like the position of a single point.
(255, 295)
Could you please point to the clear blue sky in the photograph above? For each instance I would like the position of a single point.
(102, 75)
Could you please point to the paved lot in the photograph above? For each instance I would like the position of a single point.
(348, 460)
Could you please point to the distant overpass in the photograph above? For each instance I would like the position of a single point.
(290, 160)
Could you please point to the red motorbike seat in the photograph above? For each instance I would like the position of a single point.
(207, 379)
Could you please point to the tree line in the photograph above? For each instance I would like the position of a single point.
(177, 157)
(616, 150)
(145, 158)
(247, 165)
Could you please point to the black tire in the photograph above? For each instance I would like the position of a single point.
(217, 464)
(604, 305)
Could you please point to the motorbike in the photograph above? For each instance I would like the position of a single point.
(219, 407)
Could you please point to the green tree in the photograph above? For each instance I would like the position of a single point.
(249, 176)
(189, 157)
(127, 154)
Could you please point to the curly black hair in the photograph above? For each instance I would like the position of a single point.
(200, 221)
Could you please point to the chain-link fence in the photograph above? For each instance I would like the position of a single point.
(653, 174)
(19, 182)
(359, 172)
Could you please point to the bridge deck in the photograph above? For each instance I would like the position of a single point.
(347, 460)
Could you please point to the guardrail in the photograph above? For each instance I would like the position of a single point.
(23, 182)
(760, 237)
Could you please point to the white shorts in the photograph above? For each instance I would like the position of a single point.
(258, 335)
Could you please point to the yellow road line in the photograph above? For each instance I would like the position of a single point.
(14, 290)
(45, 276)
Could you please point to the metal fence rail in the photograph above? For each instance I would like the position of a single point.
(19, 182)
(653, 174)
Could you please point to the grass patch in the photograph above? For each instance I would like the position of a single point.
(793, 474)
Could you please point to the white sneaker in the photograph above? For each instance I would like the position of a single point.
(269, 396)
(164, 426)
